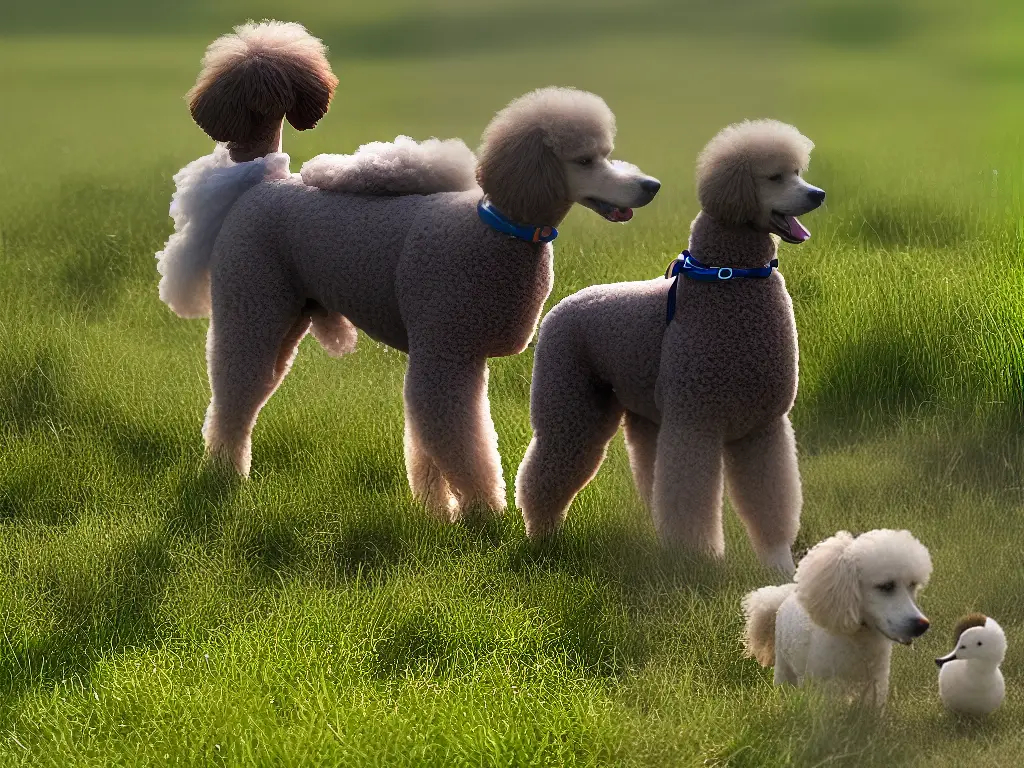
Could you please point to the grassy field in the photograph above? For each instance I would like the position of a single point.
(315, 616)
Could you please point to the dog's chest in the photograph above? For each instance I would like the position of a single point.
(735, 350)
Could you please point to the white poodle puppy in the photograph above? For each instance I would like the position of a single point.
(851, 599)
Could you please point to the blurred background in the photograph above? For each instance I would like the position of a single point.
(319, 599)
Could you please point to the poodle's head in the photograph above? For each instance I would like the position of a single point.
(845, 583)
(977, 637)
(749, 174)
(549, 149)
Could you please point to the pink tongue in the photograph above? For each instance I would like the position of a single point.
(622, 214)
(797, 230)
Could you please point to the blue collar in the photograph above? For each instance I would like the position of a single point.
(495, 219)
(685, 264)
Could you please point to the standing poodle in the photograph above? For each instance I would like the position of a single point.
(707, 392)
(851, 600)
(422, 246)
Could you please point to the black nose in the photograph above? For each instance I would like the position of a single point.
(650, 186)
(817, 195)
(919, 627)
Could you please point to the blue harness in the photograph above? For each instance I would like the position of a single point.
(496, 220)
(686, 265)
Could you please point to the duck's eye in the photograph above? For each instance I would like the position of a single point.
(888, 586)
(776, 177)
(979, 642)
(583, 160)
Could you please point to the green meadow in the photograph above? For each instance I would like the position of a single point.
(155, 615)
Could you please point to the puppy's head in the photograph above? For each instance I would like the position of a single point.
(750, 174)
(549, 149)
(845, 583)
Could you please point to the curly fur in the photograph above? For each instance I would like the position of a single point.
(705, 398)
(205, 190)
(851, 599)
(253, 79)
(759, 610)
(725, 182)
(371, 241)
(828, 584)
(402, 167)
(522, 171)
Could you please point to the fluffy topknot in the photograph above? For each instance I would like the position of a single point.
(254, 78)
(727, 165)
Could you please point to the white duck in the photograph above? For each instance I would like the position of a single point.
(970, 682)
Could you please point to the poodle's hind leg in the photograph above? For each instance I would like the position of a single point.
(764, 486)
(784, 674)
(573, 422)
(687, 496)
(425, 478)
(247, 357)
(642, 445)
(446, 403)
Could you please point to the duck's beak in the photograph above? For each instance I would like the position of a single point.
(943, 659)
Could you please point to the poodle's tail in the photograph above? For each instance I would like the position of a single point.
(255, 78)
(759, 609)
(401, 167)
(206, 190)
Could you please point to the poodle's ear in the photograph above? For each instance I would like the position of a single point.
(523, 177)
(727, 190)
(828, 585)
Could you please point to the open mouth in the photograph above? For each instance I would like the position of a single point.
(607, 210)
(788, 227)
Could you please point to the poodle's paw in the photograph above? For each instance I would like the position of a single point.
(779, 558)
(477, 512)
(439, 503)
(542, 530)
(223, 460)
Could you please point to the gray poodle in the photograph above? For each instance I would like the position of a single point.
(705, 394)
(421, 245)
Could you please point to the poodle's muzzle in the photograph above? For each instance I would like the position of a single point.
(785, 224)
(613, 188)
(908, 630)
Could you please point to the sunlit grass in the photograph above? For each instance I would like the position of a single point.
(155, 613)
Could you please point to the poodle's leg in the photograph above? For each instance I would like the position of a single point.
(446, 401)
(571, 434)
(784, 674)
(642, 444)
(764, 485)
(425, 477)
(688, 488)
(247, 359)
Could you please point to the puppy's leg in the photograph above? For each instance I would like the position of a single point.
(764, 486)
(446, 402)
(642, 444)
(784, 674)
(687, 494)
(247, 357)
(425, 478)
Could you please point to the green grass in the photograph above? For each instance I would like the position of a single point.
(154, 614)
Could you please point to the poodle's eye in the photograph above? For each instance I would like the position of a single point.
(963, 647)
(583, 160)
(913, 585)
(776, 177)
(888, 586)
(979, 642)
